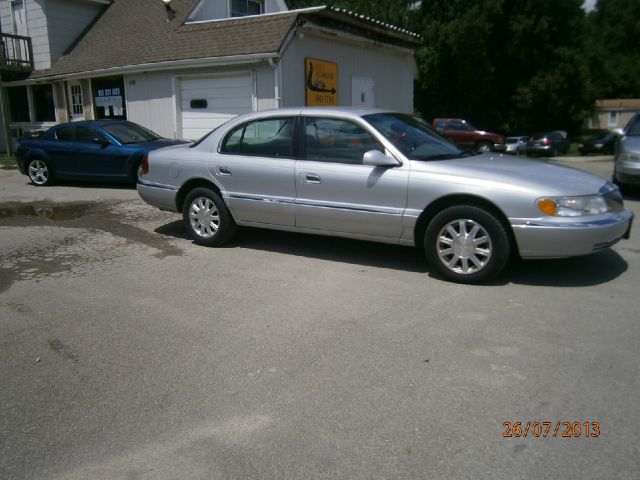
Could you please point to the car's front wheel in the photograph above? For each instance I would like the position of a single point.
(39, 172)
(467, 244)
(485, 146)
(207, 218)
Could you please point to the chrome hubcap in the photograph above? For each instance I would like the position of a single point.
(204, 217)
(38, 172)
(464, 246)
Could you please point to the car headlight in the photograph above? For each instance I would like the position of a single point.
(573, 206)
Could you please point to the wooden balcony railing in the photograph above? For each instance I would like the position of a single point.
(16, 53)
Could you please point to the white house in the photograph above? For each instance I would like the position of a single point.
(182, 68)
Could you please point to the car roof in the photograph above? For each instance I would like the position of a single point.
(90, 123)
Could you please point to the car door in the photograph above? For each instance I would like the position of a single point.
(97, 155)
(336, 192)
(256, 169)
(61, 150)
(460, 133)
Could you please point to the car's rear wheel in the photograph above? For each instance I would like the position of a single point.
(467, 244)
(39, 172)
(207, 218)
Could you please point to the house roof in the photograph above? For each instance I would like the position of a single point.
(133, 33)
(617, 104)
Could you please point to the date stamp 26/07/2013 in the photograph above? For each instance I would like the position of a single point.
(551, 429)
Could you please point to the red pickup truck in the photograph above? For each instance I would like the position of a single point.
(465, 135)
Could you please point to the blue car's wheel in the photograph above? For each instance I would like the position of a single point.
(39, 172)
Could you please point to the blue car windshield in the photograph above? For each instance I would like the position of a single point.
(127, 132)
(414, 137)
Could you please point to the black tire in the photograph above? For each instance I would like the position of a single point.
(39, 172)
(467, 261)
(624, 187)
(553, 152)
(214, 225)
(484, 146)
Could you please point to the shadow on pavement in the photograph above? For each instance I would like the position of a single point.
(589, 270)
(584, 271)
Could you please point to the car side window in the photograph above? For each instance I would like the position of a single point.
(88, 135)
(338, 141)
(458, 127)
(64, 134)
(272, 137)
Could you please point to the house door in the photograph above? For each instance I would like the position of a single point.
(363, 92)
(76, 110)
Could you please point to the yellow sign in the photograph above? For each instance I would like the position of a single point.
(321, 82)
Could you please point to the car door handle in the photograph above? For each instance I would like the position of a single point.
(224, 171)
(312, 178)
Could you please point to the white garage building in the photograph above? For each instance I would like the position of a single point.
(183, 68)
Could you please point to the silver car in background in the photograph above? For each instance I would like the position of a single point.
(386, 177)
(512, 145)
(626, 169)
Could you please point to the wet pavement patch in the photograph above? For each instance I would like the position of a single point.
(49, 211)
(78, 239)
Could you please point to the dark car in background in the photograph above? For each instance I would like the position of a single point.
(513, 145)
(548, 144)
(626, 167)
(465, 135)
(102, 150)
(602, 144)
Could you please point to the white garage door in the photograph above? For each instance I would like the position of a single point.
(206, 103)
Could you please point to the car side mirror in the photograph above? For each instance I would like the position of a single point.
(101, 141)
(376, 158)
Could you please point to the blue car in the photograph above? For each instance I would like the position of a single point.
(102, 150)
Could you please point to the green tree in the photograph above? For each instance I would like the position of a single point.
(612, 46)
(511, 65)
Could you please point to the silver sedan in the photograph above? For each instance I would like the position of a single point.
(386, 177)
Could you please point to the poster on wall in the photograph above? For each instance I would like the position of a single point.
(108, 98)
(321, 82)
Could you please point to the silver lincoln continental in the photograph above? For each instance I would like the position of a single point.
(386, 177)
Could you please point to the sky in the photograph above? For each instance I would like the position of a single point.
(589, 5)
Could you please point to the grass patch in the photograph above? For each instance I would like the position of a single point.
(8, 162)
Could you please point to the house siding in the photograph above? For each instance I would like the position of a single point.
(38, 31)
(391, 72)
(152, 97)
(219, 9)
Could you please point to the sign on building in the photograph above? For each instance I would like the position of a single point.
(321, 82)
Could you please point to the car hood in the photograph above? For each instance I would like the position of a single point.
(521, 173)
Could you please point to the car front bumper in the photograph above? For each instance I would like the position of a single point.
(559, 238)
(627, 171)
(161, 196)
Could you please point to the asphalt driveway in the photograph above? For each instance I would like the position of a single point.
(129, 352)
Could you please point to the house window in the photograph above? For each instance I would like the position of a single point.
(243, 8)
(19, 15)
(18, 104)
(43, 105)
(613, 119)
(76, 100)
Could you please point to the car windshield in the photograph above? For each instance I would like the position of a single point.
(512, 140)
(128, 132)
(633, 129)
(413, 137)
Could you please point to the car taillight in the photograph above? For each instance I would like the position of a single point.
(144, 165)
(545, 140)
